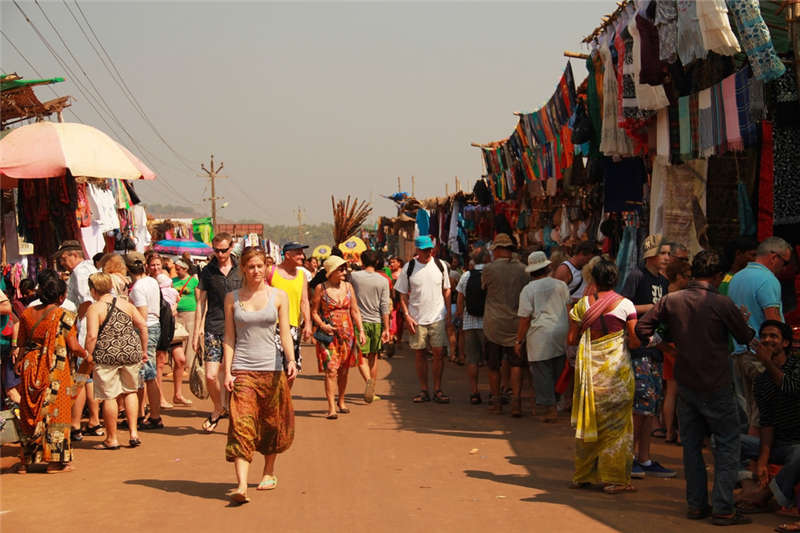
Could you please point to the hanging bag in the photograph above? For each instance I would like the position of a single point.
(197, 377)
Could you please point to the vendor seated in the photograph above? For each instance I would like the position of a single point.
(776, 393)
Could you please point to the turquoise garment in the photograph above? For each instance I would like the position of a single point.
(758, 289)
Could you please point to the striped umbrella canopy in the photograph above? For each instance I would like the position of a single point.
(179, 246)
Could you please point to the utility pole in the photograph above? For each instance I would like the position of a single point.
(300, 212)
(213, 174)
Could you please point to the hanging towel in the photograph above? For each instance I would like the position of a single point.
(746, 127)
(685, 128)
(732, 130)
(756, 39)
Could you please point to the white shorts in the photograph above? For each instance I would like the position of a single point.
(110, 381)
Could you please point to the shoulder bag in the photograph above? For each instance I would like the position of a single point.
(197, 377)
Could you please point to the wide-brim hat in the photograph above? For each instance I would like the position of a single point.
(331, 264)
(68, 246)
(537, 261)
(502, 241)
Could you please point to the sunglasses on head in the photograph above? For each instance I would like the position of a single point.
(253, 248)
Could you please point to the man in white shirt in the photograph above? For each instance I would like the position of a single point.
(70, 256)
(424, 286)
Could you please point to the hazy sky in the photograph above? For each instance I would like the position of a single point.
(302, 101)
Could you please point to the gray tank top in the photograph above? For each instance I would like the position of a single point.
(255, 349)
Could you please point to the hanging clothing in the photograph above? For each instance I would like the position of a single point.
(684, 183)
(756, 39)
(623, 184)
(690, 36)
(786, 191)
(718, 37)
(667, 24)
(613, 140)
(650, 95)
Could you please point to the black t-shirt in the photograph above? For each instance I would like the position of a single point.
(644, 288)
(217, 285)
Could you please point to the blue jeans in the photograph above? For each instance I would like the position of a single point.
(716, 414)
(545, 376)
(782, 453)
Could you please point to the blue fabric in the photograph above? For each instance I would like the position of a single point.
(423, 222)
(758, 289)
(782, 453)
(714, 413)
(747, 223)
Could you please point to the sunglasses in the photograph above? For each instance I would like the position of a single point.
(785, 261)
(222, 250)
(258, 249)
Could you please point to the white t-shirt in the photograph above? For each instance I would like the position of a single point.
(146, 292)
(545, 302)
(69, 306)
(425, 300)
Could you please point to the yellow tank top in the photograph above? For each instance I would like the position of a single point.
(294, 289)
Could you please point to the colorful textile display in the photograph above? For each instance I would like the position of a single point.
(755, 39)
(712, 15)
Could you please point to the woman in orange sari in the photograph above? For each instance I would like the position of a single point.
(46, 334)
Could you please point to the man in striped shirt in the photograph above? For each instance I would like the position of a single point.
(777, 394)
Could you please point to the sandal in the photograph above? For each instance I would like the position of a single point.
(440, 397)
(745, 506)
(124, 423)
(104, 446)
(133, 443)
(210, 424)
(64, 469)
(94, 431)
(270, 484)
(333, 416)
(185, 402)
(76, 435)
(619, 489)
(475, 399)
(239, 497)
(737, 519)
(659, 433)
(152, 423)
(701, 514)
(422, 397)
(791, 527)
(344, 410)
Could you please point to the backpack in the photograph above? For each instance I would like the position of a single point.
(413, 262)
(167, 325)
(474, 295)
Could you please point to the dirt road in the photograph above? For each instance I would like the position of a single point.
(390, 466)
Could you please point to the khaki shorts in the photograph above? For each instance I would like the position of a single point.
(435, 332)
(110, 381)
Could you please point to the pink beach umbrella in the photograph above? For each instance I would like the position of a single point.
(48, 149)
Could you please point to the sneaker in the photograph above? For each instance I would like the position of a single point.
(636, 471)
(656, 470)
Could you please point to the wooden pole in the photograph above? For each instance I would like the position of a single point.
(413, 187)
(447, 189)
(576, 55)
(399, 187)
(213, 175)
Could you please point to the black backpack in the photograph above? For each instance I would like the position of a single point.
(475, 296)
(413, 263)
(167, 325)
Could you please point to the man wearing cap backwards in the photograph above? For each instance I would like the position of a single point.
(645, 287)
(503, 279)
(290, 277)
(542, 332)
(423, 300)
(218, 278)
(70, 256)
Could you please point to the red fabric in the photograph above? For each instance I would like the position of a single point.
(766, 183)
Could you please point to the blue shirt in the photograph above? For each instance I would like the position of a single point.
(757, 288)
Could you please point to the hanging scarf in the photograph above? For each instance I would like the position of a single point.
(747, 225)
(732, 129)
(756, 39)
(685, 128)
(718, 111)
(706, 124)
(746, 128)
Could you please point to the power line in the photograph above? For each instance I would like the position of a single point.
(132, 99)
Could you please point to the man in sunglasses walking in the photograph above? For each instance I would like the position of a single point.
(218, 278)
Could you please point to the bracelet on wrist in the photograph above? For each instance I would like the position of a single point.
(13, 342)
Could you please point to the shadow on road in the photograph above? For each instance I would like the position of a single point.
(209, 491)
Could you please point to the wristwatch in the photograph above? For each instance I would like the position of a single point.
(521, 342)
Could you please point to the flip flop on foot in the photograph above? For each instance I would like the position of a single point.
(210, 424)
(619, 489)
(104, 446)
(791, 527)
(344, 410)
(332, 416)
(659, 433)
(94, 431)
(239, 497)
(133, 443)
(62, 470)
(183, 402)
(268, 484)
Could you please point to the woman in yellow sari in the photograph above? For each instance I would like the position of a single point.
(46, 334)
(602, 408)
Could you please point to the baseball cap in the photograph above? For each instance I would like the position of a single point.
(423, 243)
(652, 245)
(132, 258)
(68, 246)
(294, 245)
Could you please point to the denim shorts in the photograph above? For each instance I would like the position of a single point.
(213, 348)
(648, 386)
(148, 370)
